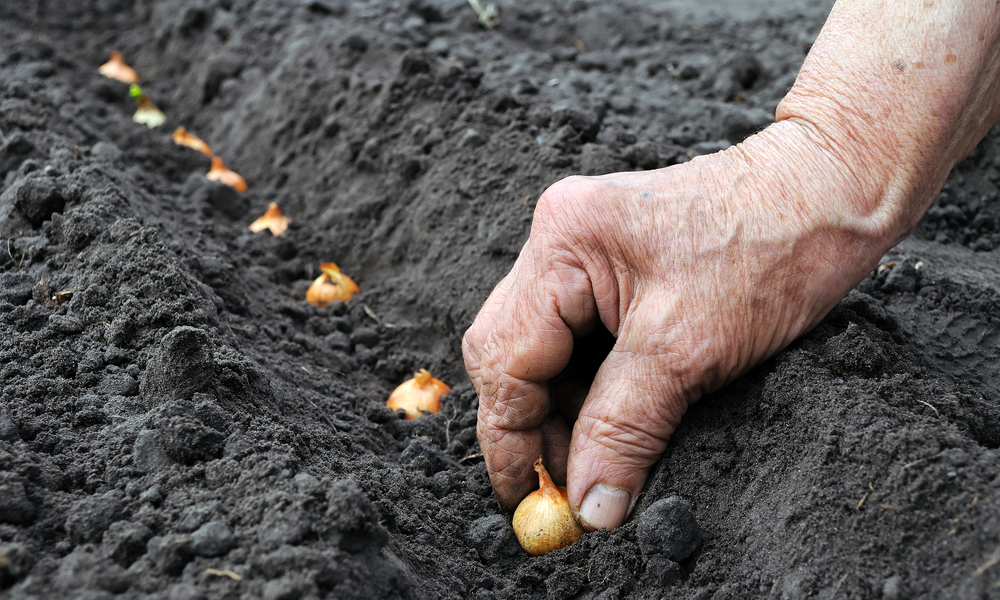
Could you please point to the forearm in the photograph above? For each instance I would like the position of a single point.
(899, 92)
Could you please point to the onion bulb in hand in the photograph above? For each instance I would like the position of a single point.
(543, 521)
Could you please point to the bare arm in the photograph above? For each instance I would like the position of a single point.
(900, 92)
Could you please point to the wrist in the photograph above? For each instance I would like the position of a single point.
(900, 93)
(799, 225)
(829, 197)
(889, 179)
(812, 225)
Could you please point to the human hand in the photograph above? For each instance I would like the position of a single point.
(699, 271)
(702, 270)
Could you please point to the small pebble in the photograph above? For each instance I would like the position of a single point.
(493, 537)
(368, 337)
(169, 553)
(214, 538)
(185, 591)
(8, 428)
(338, 340)
(891, 589)
(118, 384)
(115, 356)
(668, 527)
(471, 139)
(17, 508)
(65, 324)
(89, 517)
(147, 453)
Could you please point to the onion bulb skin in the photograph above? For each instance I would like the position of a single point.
(543, 521)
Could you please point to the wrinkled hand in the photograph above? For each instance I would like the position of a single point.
(699, 271)
(702, 270)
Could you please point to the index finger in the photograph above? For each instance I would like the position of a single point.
(529, 341)
(475, 337)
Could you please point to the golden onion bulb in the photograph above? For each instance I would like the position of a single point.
(146, 113)
(331, 286)
(184, 138)
(543, 521)
(117, 68)
(422, 393)
(221, 173)
(273, 220)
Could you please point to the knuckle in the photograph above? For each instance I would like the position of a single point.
(486, 432)
(469, 350)
(507, 403)
(518, 410)
(562, 200)
(636, 438)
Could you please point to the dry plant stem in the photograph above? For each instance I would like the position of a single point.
(322, 413)
(224, 573)
(447, 425)
(989, 564)
(19, 262)
(545, 482)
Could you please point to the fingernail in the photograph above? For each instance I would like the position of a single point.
(604, 507)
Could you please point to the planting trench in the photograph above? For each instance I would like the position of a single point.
(184, 425)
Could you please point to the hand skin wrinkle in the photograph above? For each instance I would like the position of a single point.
(704, 269)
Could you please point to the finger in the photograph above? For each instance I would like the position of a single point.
(634, 405)
(517, 451)
(530, 342)
(508, 455)
(475, 337)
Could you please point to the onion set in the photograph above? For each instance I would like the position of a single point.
(271, 219)
(331, 286)
(220, 173)
(417, 395)
(146, 112)
(116, 68)
(543, 521)
(183, 138)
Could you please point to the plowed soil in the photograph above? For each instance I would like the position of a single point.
(178, 423)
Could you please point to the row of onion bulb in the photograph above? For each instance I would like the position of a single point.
(148, 114)
(415, 396)
(543, 521)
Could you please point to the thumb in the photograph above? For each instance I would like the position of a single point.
(634, 405)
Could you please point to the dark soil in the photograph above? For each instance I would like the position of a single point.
(178, 423)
